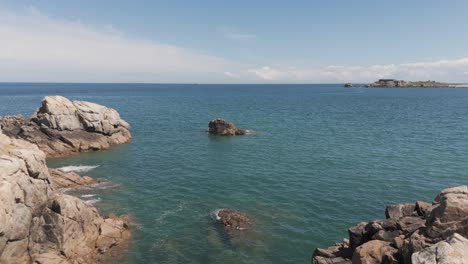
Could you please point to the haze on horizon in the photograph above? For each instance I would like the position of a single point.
(236, 42)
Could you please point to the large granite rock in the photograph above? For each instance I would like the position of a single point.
(41, 225)
(62, 127)
(375, 252)
(412, 233)
(452, 251)
(222, 127)
(449, 213)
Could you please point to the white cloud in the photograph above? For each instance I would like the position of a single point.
(36, 47)
(443, 70)
(267, 73)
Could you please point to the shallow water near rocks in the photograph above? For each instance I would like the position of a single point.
(322, 159)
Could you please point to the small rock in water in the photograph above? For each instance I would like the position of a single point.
(222, 127)
(233, 220)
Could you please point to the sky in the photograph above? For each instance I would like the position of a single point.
(238, 41)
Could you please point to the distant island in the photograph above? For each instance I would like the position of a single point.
(394, 83)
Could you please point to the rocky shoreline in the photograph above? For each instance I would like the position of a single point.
(40, 223)
(61, 127)
(419, 233)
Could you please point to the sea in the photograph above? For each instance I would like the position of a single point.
(321, 159)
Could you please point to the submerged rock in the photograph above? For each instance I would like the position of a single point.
(222, 127)
(62, 127)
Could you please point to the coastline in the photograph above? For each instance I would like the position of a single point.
(43, 224)
(416, 233)
(394, 83)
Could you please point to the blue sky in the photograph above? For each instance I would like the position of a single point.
(233, 41)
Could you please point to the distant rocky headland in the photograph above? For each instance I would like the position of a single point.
(39, 223)
(394, 83)
(417, 233)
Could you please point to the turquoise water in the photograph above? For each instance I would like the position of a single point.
(323, 158)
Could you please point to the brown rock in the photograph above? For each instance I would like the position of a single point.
(221, 127)
(375, 252)
(60, 179)
(362, 232)
(336, 260)
(388, 236)
(449, 213)
(233, 220)
(409, 224)
(422, 208)
(399, 210)
(412, 244)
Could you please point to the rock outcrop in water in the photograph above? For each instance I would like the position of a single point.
(62, 127)
(233, 223)
(222, 127)
(233, 220)
(60, 179)
(39, 224)
(419, 233)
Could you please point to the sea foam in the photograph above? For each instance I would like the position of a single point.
(78, 168)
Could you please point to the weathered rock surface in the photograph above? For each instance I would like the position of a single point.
(412, 233)
(221, 127)
(452, 251)
(62, 127)
(41, 225)
(60, 179)
(375, 251)
(449, 213)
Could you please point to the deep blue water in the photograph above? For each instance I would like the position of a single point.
(323, 158)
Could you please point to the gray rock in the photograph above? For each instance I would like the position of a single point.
(452, 251)
(388, 236)
(399, 210)
(449, 213)
(62, 127)
(409, 224)
(41, 225)
(358, 235)
(422, 208)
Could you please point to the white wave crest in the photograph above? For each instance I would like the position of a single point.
(87, 195)
(78, 168)
(93, 201)
(215, 214)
